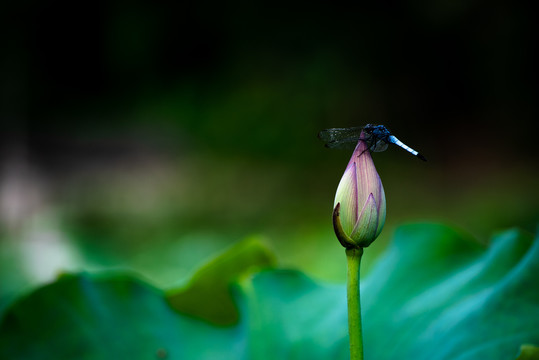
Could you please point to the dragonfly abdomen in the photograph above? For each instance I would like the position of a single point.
(397, 142)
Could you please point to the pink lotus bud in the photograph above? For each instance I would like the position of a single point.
(360, 205)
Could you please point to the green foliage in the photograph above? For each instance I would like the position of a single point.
(433, 295)
(437, 296)
(528, 352)
(106, 317)
(212, 282)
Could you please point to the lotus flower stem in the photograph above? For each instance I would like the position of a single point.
(353, 257)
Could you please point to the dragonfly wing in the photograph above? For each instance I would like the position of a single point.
(339, 134)
(379, 145)
(349, 143)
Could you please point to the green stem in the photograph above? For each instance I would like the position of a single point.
(353, 257)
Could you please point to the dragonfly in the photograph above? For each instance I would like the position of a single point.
(377, 138)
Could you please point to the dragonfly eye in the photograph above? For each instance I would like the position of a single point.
(368, 128)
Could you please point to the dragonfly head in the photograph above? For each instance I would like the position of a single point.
(369, 128)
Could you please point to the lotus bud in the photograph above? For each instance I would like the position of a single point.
(360, 205)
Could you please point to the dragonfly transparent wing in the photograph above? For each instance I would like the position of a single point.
(378, 146)
(340, 138)
(339, 133)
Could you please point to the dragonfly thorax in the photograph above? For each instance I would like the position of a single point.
(379, 132)
(377, 137)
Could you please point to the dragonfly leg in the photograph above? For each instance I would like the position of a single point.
(368, 144)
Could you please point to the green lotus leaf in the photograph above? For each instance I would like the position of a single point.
(207, 295)
(528, 352)
(435, 294)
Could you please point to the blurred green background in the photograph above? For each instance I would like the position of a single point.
(150, 136)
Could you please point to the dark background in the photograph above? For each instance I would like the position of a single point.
(150, 135)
